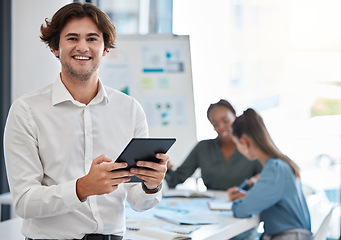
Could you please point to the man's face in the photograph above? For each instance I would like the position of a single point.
(81, 48)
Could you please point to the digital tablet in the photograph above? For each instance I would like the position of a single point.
(143, 149)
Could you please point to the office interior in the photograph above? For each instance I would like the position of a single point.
(280, 57)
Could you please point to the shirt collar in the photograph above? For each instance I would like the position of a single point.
(61, 94)
(101, 94)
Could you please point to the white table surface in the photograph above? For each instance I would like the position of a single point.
(227, 226)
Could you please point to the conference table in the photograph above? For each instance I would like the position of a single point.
(198, 221)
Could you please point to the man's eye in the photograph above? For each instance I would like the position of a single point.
(72, 39)
(92, 39)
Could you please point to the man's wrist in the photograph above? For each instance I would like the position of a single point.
(80, 190)
(151, 191)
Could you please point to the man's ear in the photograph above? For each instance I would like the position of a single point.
(105, 51)
(55, 52)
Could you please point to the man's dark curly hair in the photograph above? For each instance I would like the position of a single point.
(50, 34)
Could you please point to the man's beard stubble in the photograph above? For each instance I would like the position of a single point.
(79, 76)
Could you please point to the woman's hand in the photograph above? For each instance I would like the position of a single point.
(253, 180)
(235, 193)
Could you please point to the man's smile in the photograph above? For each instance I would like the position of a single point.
(81, 57)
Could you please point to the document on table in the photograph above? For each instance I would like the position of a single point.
(187, 194)
(220, 205)
(180, 229)
(139, 230)
(186, 218)
(153, 233)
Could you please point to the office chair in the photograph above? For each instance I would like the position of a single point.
(321, 233)
(6, 199)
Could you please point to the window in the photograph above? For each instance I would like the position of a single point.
(139, 16)
(282, 58)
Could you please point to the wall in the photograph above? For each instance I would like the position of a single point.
(33, 65)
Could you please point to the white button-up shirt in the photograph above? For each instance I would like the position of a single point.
(50, 142)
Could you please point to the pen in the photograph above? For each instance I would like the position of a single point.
(243, 185)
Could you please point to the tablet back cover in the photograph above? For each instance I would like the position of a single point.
(144, 149)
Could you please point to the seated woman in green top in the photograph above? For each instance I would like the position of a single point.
(222, 165)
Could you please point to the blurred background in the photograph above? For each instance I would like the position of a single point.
(281, 57)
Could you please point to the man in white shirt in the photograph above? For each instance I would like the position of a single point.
(61, 141)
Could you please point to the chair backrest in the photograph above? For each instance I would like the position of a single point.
(321, 233)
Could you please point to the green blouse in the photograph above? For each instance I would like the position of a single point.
(216, 172)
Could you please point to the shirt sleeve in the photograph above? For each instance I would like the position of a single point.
(25, 171)
(265, 193)
(187, 168)
(139, 200)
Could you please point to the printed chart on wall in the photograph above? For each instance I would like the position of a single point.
(156, 70)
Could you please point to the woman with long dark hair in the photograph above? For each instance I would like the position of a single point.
(222, 165)
(277, 195)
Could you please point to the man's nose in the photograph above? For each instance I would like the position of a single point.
(82, 45)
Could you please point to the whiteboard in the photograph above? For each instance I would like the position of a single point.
(156, 70)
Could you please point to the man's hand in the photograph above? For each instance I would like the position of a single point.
(152, 178)
(170, 165)
(100, 179)
(235, 193)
